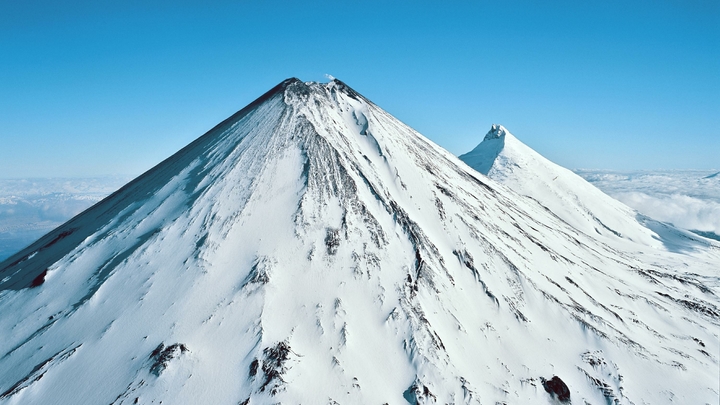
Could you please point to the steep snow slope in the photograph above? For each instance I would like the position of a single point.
(502, 157)
(313, 249)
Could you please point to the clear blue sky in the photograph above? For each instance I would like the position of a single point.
(113, 87)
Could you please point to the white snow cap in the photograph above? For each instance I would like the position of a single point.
(496, 131)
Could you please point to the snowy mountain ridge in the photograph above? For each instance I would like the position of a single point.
(504, 158)
(496, 131)
(314, 249)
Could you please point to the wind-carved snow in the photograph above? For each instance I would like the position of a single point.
(313, 249)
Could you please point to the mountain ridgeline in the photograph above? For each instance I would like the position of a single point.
(314, 249)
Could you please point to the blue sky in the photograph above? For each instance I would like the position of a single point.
(103, 87)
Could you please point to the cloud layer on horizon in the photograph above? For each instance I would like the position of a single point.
(29, 208)
(688, 199)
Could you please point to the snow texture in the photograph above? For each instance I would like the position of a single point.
(313, 249)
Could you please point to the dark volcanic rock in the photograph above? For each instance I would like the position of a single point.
(162, 355)
(556, 388)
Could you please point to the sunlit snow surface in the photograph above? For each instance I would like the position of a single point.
(313, 249)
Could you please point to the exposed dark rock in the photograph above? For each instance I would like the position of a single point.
(594, 359)
(201, 241)
(698, 341)
(556, 388)
(332, 240)
(39, 280)
(467, 260)
(418, 393)
(696, 305)
(162, 355)
(273, 366)
(259, 272)
(444, 190)
(604, 387)
(254, 367)
(440, 208)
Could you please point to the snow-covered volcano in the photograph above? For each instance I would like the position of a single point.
(504, 158)
(313, 249)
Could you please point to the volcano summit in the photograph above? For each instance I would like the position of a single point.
(312, 249)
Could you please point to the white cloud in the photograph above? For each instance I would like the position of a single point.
(688, 199)
(29, 208)
(681, 210)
